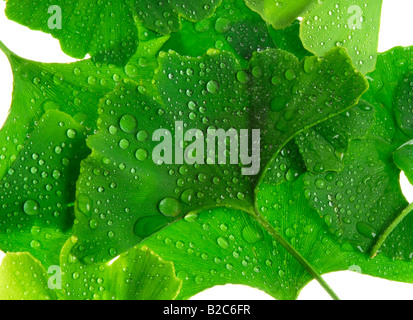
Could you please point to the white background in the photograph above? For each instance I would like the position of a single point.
(396, 29)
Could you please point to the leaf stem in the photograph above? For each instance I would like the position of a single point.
(389, 230)
(287, 246)
(6, 50)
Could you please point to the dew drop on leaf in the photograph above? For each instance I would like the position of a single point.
(212, 86)
(31, 207)
(223, 243)
(366, 230)
(124, 144)
(84, 204)
(128, 123)
(71, 133)
(35, 244)
(146, 226)
(170, 207)
(290, 75)
(141, 154)
(251, 234)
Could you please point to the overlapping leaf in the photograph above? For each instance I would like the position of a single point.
(117, 202)
(223, 246)
(363, 203)
(73, 88)
(324, 146)
(235, 28)
(38, 190)
(24, 278)
(403, 157)
(327, 24)
(347, 24)
(319, 154)
(280, 14)
(105, 30)
(136, 275)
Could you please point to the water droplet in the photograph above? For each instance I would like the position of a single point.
(257, 72)
(142, 136)
(131, 70)
(71, 133)
(309, 65)
(91, 80)
(251, 234)
(202, 177)
(223, 243)
(328, 220)
(191, 217)
(93, 224)
(242, 77)
(189, 72)
(141, 154)
(35, 244)
(113, 130)
(146, 226)
(366, 230)
(212, 86)
(320, 184)
(128, 123)
(290, 75)
(58, 78)
(56, 174)
(291, 175)
(240, 195)
(124, 144)
(84, 204)
(222, 25)
(277, 104)
(31, 207)
(187, 196)
(36, 80)
(308, 229)
(170, 207)
(290, 232)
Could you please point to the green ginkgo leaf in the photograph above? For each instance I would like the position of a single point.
(38, 190)
(340, 197)
(347, 24)
(403, 157)
(223, 246)
(390, 87)
(280, 14)
(73, 88)
(403, 109)
(235, 28)
(118, 203)
(24, 278)
(106, 30)
(327, 24)
(138, 274)
(234, 160)
(324, 146)
(370, 172)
